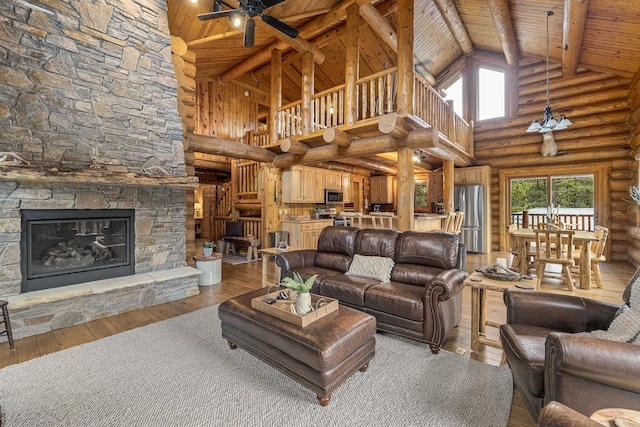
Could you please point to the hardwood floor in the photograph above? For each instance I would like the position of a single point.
(242, 278)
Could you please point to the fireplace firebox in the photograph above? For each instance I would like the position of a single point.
(67, 246)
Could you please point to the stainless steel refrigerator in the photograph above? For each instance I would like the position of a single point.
(470, 200)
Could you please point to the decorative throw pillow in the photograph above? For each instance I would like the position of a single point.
(372, 267)
(625, 326)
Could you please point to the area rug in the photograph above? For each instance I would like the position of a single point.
(180, 372)
(235, 259)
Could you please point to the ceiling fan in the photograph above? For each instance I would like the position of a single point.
(249, 9)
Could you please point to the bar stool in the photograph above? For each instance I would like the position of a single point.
(7, 324)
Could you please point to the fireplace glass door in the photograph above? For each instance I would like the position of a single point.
(62, 247)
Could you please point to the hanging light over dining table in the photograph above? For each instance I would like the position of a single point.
(550, 121)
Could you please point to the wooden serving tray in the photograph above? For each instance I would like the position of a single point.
(282, 309)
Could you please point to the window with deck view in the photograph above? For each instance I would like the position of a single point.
(569, 199)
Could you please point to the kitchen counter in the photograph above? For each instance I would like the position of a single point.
(422, 222)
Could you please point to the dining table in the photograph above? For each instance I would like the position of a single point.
(581, 238)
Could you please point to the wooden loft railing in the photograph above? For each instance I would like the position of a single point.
(376, 96)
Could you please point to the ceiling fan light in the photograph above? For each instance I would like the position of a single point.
(534, 126)
(236, 19)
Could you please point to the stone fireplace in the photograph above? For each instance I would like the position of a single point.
(62, 247)
(88, 107)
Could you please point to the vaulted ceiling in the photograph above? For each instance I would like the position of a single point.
(444, 31)
(611, 41)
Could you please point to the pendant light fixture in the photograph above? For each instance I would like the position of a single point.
(549, 122)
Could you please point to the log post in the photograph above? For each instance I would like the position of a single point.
(308, 69)
(447, 185)
(352, 45)
(406, 186)
(276, 95)
(405, 57)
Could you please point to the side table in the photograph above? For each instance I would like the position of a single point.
(210, 267)
(267, 253)
(479, 285)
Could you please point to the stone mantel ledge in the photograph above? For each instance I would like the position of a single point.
(29, 173)
(30, 299)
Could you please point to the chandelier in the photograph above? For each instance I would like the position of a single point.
(550, 121)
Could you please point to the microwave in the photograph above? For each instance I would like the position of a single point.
(333, 197)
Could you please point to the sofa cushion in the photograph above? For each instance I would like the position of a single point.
(373, 267)
(396, 298)
(372, 242)
(435, 249)
(414, 274)
(306, 272)
(347, 289)
(338, 263)
(338, 240)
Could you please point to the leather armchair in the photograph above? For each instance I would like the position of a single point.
(549, 362)
(555, 414)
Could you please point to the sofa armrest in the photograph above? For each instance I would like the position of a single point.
(593, 360)
(555, 414)
(295, 259)
(559, 312)
(450, 281)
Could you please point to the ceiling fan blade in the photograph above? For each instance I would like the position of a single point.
(268, 3)
(279, 25)
(215, 15)
(249, 29)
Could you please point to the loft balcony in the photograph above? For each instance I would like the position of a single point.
(376, 97)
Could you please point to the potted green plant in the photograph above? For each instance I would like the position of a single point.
(208, 247)
(301, 288)
(315, 212)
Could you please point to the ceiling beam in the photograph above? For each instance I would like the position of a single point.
(502, 19)
(575, 18)
(385, 32)
(298, 43)
(311, 29)
(223, 147)
(456, 26)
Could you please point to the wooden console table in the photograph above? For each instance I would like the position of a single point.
(479, 320)
(249, 241)
(266, 254)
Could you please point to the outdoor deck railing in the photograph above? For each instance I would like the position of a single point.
(575, 221)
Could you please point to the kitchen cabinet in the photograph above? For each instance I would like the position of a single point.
(479, 175)
(302, 184)
(333, 179)
(381, 189)
(346, 187)
(304, 234)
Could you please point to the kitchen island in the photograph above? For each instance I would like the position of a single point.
(422, 222)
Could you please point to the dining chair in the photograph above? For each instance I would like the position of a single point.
(597, 253)
(554, 247)
(449, 222)
(513, 243)
(457, 223)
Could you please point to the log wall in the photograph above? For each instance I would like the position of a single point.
(229, 110)
(184, 66)
(634, 121)
(598, 106)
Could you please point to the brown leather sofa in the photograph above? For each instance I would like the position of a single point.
(423, 298)
(550, 362)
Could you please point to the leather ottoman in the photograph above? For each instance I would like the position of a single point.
(320, 356)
